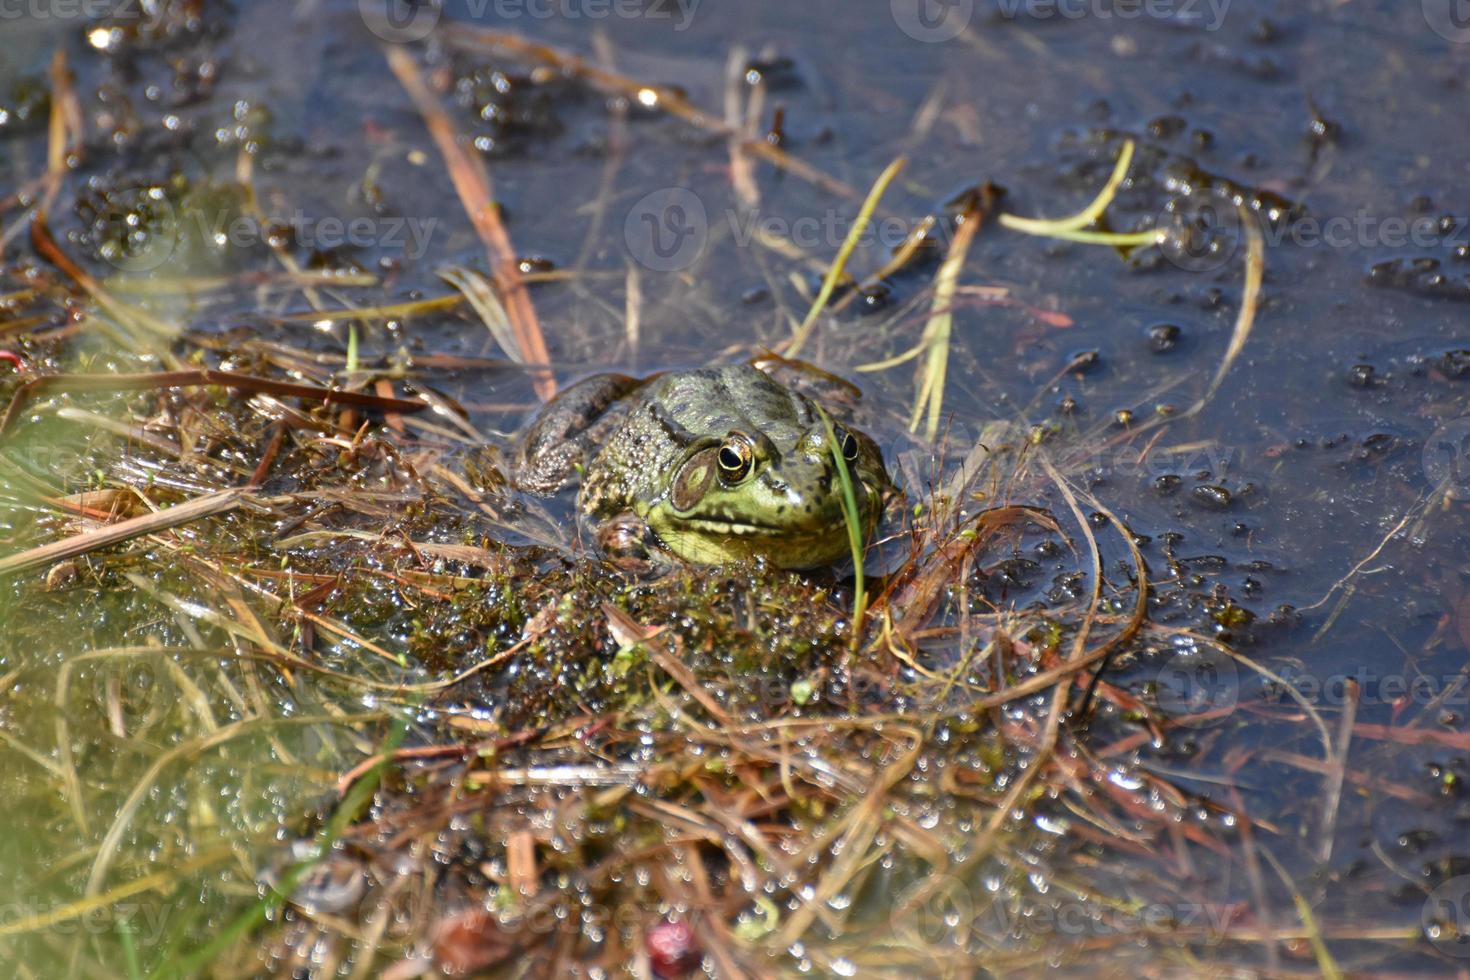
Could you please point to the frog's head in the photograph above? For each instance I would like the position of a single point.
(773, 492)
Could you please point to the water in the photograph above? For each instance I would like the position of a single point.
(1318, 495)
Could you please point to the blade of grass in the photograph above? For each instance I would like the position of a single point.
(387, 311)
(476, 289)
(356, 800)
(937, 331)
(854, 521)
(193, 379)
(108, 850)
(865, 214)
(64, 134)
(1325, 961)
(138, 886)
(1072, 227)
(1250, 301)
(352, 362)
(130, 949)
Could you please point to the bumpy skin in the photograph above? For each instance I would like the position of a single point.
(653, 449)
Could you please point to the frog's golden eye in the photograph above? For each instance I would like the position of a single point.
(849, 447)
(734, 459)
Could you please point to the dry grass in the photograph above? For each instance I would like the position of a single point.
(600, 770)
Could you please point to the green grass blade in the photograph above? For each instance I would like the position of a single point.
(865, 214)
(854, 521)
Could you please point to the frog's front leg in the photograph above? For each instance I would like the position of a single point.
(567, 430)
(624, 539)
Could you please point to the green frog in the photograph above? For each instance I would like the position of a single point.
(720, 464)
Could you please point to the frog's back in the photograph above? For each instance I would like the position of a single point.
(715, 401)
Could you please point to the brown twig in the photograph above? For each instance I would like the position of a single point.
(88, 541)
(472, 184)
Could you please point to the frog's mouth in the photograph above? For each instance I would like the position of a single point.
(716, 526)
(811, 527)
(711, 540)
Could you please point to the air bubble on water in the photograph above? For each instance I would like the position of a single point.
(843, 967)
(1050, 826)
(1125, 780)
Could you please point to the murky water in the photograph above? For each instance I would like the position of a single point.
(1312, 508)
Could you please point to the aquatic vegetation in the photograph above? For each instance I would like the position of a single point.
(292, 681)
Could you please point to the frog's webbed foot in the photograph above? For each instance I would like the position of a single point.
(567, 430)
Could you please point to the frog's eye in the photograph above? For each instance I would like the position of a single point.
(734, 459)
(849, 447)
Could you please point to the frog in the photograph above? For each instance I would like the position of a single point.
(711, 465)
